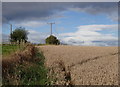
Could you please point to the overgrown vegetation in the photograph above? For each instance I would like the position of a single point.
(52, 40)
(25, 68)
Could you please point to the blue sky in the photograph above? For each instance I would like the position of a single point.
(88, 24)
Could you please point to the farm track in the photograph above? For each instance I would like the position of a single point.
(92, 59)
(76, 65)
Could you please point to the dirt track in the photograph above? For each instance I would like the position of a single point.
(85, 65)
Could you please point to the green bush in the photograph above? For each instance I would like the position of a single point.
(52, 40)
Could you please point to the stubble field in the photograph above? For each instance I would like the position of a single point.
(82, 65)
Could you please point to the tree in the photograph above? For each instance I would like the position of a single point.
(52, 40)
(19, 34)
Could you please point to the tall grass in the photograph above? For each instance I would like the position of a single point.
(29, 72)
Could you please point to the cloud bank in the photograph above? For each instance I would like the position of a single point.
(26, 11)
(91, 35)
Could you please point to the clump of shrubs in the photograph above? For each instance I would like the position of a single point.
(52, 40)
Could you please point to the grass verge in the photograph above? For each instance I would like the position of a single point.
(30, 72)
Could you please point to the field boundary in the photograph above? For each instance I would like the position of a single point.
(25, 68)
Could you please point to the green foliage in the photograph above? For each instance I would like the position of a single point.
(52, 40)
(19, 34)
(35, 74)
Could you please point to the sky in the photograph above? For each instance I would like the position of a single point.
(76, 23)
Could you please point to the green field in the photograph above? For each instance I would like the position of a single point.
(8, 49)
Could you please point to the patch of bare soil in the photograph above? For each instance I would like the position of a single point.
(82, 65)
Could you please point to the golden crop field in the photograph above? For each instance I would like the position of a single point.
(82, 65)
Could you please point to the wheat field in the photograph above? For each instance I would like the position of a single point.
(86, 65)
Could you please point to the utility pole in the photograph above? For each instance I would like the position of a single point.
(10, 32)
(51, 26)
(10, 28)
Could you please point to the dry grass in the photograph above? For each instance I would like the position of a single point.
(18, 57)
(86, 65)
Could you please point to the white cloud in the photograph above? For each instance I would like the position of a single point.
(36, 37)
(5, 38)
(31, 24)
(91, 35)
